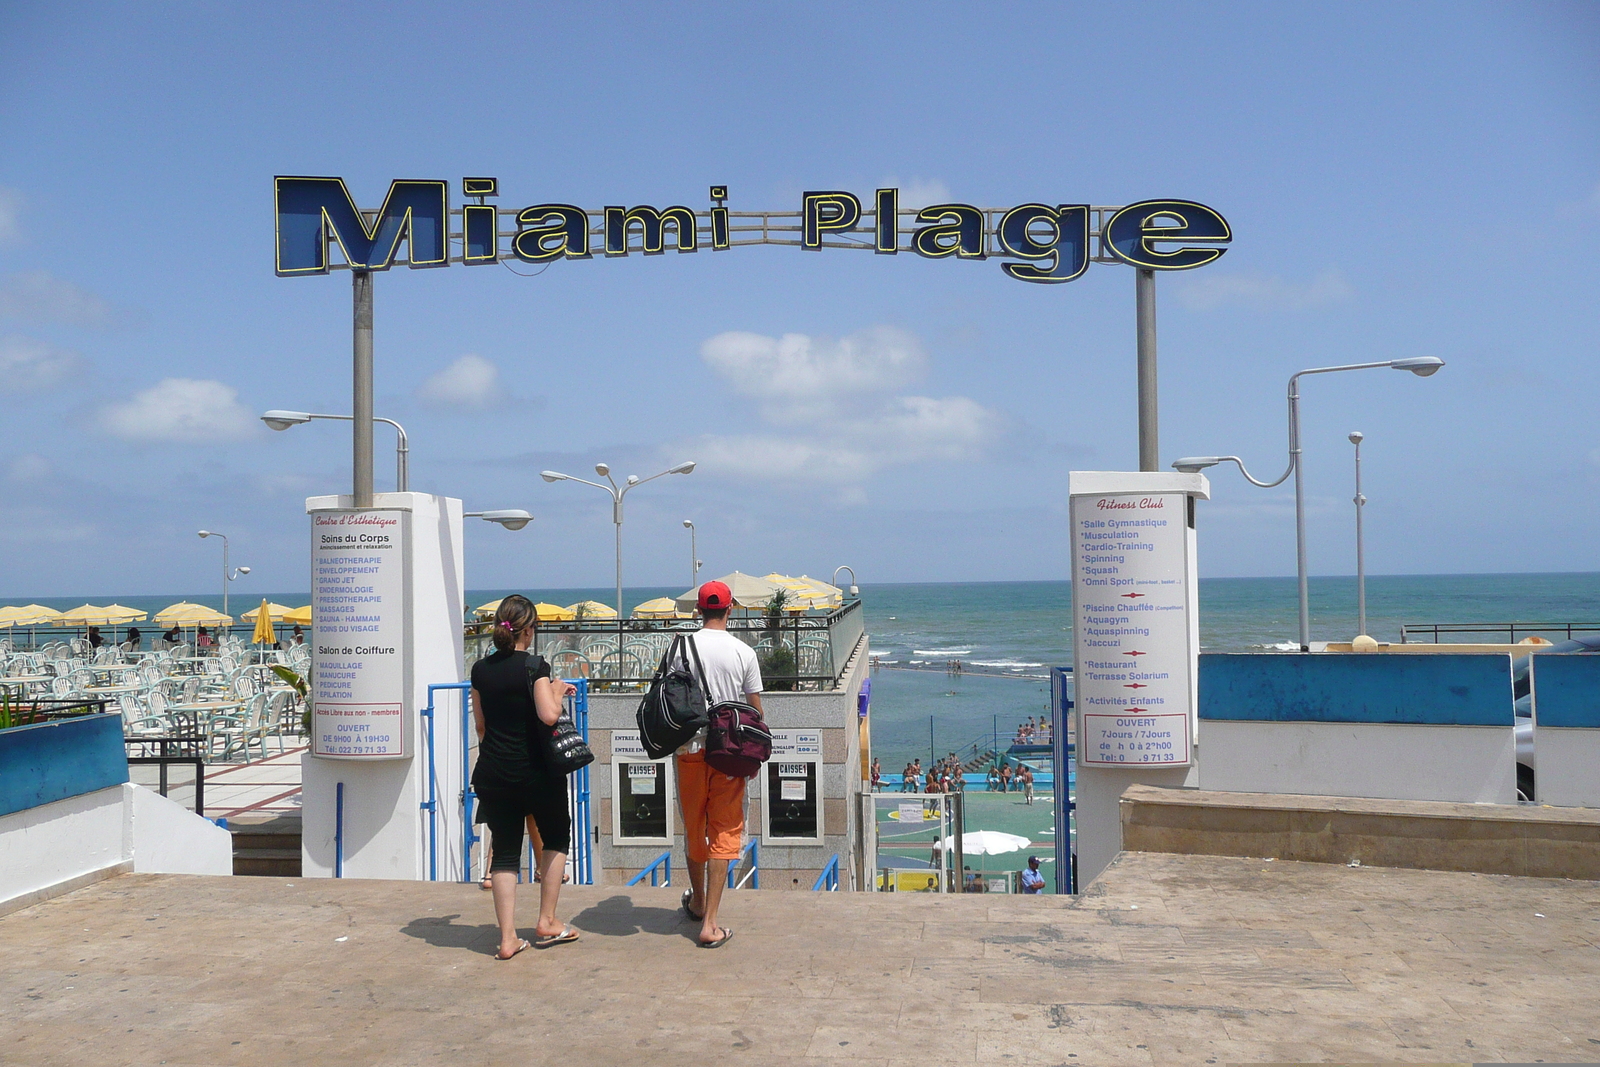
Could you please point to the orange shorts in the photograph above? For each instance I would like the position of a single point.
(713, 810)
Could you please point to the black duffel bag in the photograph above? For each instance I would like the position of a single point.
(674, 709)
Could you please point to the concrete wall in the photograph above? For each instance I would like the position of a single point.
(1436, 727)
(1566, 735)
(69, 815)
(783, 866)
(1511, 839)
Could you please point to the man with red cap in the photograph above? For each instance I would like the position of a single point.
(713, 802)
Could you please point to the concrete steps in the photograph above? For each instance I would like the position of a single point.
(267, 846)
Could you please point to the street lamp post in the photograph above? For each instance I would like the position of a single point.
(1421, 366)
(227, 575)
(617, 493)
(1361, 558)
(510, 518)
(282, 420)
(694, 555)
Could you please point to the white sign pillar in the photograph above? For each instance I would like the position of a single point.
(1135, 642)
(387, 604)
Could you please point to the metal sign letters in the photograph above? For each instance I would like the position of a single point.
(1042, 243)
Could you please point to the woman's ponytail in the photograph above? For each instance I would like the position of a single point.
(514, 615)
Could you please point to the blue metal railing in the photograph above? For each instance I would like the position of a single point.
(581, 860)
(431, 805)
(752, 849)
(829, 878)
(338, 830)
(661, 864)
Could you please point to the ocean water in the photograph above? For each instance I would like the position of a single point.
(1007, 634)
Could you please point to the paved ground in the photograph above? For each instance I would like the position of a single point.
(1169, 960)
(262, 786)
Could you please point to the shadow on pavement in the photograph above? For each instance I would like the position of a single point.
(440, 932)
(619, 917)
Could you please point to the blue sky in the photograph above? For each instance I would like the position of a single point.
(1401, 180)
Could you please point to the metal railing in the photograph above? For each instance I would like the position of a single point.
(171, 750)
(663, 864)
(1415, 631)
(581, 858)
(25, 711)
(797, 652)
(828, 880)
(752, 849)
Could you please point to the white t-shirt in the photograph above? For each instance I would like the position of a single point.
(731, 670)
(731, 673)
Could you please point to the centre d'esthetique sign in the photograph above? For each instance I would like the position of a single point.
(1038, 242)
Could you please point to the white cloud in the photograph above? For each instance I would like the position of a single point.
(181, 410)
(10, 209)
(836, 400)
(27, 365)
(469, 382)
(39, 296)
(920, 192)
(28, 467)
(797, 377)
(1210, 291)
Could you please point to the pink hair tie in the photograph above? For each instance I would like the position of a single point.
(507, 625)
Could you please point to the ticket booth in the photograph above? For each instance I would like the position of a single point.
(791, 808)
(644, 794)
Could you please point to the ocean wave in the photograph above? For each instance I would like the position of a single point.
(1003, 663)
(1279, 646)
(942, 651)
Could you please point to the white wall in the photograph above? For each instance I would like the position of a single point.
(1464, 764)
(1567, 766)
(385, 828)
(1099, 812)
(99, 832)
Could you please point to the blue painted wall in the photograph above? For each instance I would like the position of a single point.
(52, 761)
(1566, 691)
(1443, 690)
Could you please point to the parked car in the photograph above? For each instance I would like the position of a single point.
(1522, 691)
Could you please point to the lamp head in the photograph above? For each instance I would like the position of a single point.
(683, 468)
(282, 420)
(244, 570)
(1356, 437)
(602, 469)
(688, 524)
(510, 518)
(1421, 366)
(552, 476)
(1195, 464)
(633, 479)
(205, 533)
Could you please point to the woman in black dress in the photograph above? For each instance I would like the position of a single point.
(515, 702)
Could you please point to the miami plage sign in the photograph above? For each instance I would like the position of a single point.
(1038, 242)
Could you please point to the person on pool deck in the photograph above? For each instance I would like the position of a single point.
(1032, 880)
(713, 802)
(515, 702)
(1027, 784)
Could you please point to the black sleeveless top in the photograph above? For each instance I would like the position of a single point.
(511, 756)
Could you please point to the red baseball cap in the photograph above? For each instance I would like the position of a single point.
(716, 595)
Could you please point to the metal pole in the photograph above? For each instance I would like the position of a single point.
(1299, 513)
(1361, 560)
(617, 518)
(361, 393)
(1145, 313)
(224, 574)
(694, 559)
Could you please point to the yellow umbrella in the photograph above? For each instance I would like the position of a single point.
(298, 616)
(27, 615)
(265, 634)
(90, 615)
(554, 613)
(485, 611)
(662, 607)
(807, 592)
(593, 609)
(275, 612)
(184, 613)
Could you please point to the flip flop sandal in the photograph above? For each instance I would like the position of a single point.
(688, 895)
(727, 935)
(522, 943)
(567, 934)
